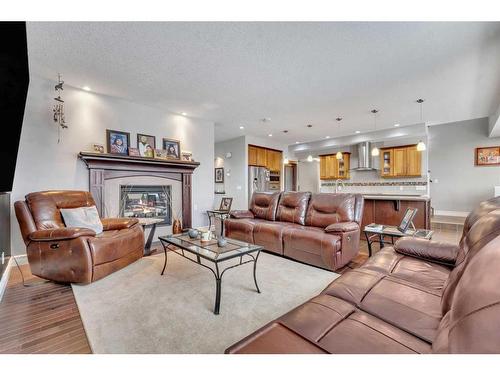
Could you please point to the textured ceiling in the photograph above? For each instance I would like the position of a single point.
(294, 73)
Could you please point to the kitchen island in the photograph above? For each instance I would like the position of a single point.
(388, 209)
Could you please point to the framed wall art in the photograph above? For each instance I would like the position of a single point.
(219, 175)
(487, 156)
(146, 145)
(173, 148)
(117, 142)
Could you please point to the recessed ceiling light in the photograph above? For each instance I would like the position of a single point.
(242, 127)
(357, 131)
(297, 142)
(184, 113)
(86, 88)
(270, 135)
(327, 137)
(396, 125)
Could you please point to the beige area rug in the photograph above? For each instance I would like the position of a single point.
(136, 310)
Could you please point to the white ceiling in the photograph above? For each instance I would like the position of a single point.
(294, 73)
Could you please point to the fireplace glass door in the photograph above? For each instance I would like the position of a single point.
(150, 201)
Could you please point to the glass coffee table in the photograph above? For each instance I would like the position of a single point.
(209, 255)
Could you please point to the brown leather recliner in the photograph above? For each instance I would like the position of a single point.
(419, 296)
(317, 229)
(74, 255)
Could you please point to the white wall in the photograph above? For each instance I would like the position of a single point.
(43, 164)
(458, 184)
(236, 171)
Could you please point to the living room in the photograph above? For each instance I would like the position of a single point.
(250, 187)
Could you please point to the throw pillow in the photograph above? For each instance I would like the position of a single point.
(82, 217)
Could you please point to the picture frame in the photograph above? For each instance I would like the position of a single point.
(407, 219)
(173, 148)
(186, 156)
(487, 156)
(132, 151)
(219, 175)
(225, 204)
(98, 148)
(117, 142)
(160, 154)
(146, 145)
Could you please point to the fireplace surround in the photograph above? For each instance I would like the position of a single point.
(105, 167)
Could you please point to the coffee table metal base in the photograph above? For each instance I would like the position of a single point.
(216, 272)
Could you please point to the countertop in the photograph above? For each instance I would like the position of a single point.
(402, 197)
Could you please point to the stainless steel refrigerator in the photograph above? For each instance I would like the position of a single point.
(258, 180)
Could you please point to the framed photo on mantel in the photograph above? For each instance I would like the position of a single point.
(487, 156)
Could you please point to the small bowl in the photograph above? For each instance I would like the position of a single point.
(221, 242)
(193, 233)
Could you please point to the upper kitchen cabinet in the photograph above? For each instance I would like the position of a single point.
(403, 161)
(265, 157)
(330, 168)
(273, 160)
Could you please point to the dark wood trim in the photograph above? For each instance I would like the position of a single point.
(104, 167)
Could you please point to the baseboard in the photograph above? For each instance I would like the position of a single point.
(5, 278)
(451, 213)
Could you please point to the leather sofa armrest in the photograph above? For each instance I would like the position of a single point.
(60, 234)
(436, 251)
(347, 226)
(242, 214)
(117, 223)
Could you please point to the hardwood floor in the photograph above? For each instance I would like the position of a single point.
(41, 318)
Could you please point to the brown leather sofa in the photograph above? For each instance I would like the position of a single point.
(317, 229)
(419, 296)
(74, 255)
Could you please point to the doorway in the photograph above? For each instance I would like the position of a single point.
(291, 176)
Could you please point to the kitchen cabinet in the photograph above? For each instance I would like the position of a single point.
(273, 160)
(252, 155)
(331, 169)
(265, 157)
(403, 161)
(261, 157)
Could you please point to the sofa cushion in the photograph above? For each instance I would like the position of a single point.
(339, 327)
(404, 305)
(312, 246)
(325, 209)
(263, 205)
(115, 244)
(420, 272)
(292, 207)
(241, 229)
(270, 235)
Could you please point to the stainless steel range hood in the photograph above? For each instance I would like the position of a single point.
(364, 157)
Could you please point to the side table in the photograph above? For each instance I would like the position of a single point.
(147, 222)
(221, 214)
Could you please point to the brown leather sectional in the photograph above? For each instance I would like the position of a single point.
(419, 296)
(318, 229)
(74, 255)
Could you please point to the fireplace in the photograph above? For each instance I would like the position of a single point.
(149, 201)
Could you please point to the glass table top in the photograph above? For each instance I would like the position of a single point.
(210, 249)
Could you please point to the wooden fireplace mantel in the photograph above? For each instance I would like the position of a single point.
(104, 167)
